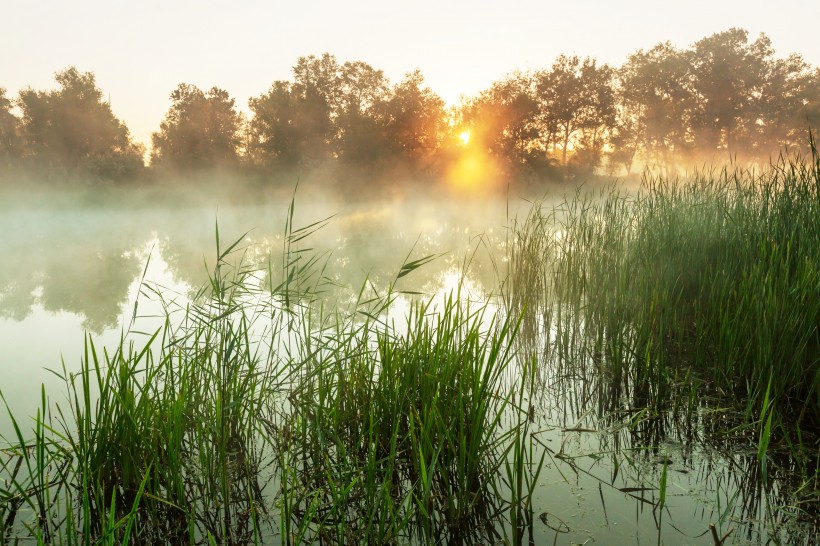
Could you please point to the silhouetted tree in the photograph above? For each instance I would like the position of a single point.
(360, 95)
(200, 131)
(293, 124)
(71, 131)
(787, 107)
(10, 144)
(315, 88)
(657, 104)
(730, 84)
(808, 115)
(348, 112)
(624, 142)
(598, 115)
(275, 139)
(415, 121)
(723, 95)
(503, 120)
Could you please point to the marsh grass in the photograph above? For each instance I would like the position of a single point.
(683, 288)
(254, 416)
(406, 424)
(719, 272)
(153, 444)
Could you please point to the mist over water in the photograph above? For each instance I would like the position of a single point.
(75, 260)
(78, 262)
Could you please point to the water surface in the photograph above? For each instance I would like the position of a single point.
(71, 271)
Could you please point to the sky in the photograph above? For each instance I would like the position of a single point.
(140, 51)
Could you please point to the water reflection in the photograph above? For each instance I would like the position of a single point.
(62, 264)
(607, 451)
(83, 261)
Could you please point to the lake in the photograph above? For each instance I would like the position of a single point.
(73, 270)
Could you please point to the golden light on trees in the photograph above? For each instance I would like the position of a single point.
(464, 137)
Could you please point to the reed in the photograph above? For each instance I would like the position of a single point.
(716, 275)
(255, 416)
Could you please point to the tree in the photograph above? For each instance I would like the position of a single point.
(788, 106)
(9, 132)
(503, 120)
(348, 112)
(360, 96)
(730, 84)
(657, 102)
(808, 115)
(200, 131)
(624, 142)
(414, 121)
(274, 137)
(293, 124)
(577, 106)
(71, 131)
(315, 92)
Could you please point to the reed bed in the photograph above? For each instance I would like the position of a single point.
(715, 277)
(253, 416)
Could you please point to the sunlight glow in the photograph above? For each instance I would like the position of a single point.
(474, 173)
(464, 136)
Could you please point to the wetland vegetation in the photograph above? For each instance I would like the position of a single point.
(660, 346)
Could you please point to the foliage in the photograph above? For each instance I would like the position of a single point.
(502, 120)
(717, 275)
(577, 101)
(724, 98)
(72, 132)
(348, 112)
(200, 131)
(10, 143)
(251, 417)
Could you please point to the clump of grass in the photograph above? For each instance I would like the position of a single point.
(157, 443)
(396, 431)
(252, 415)
(718, 274)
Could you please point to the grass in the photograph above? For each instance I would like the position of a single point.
(404, 423)
(719, 274)
(254, 416)
(691, 307)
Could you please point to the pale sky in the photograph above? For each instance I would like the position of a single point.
(140, 50)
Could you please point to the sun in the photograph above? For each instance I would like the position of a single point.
(464, 136)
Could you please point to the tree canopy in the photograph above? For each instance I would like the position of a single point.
(71, 131)
(724, 97)
(9, 132)
(200, 131)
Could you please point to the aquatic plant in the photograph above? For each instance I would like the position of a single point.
(252, 415)
(709, 279)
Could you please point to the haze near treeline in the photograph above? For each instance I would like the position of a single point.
(726, 97)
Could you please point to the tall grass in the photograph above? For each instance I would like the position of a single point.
(157, 443)
(397, 431)
(255, 416)
(717, 274)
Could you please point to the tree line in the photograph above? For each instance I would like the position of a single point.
(724, 97)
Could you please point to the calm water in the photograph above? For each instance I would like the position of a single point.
(72, 270)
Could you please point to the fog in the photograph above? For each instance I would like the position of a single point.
(79, 252)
